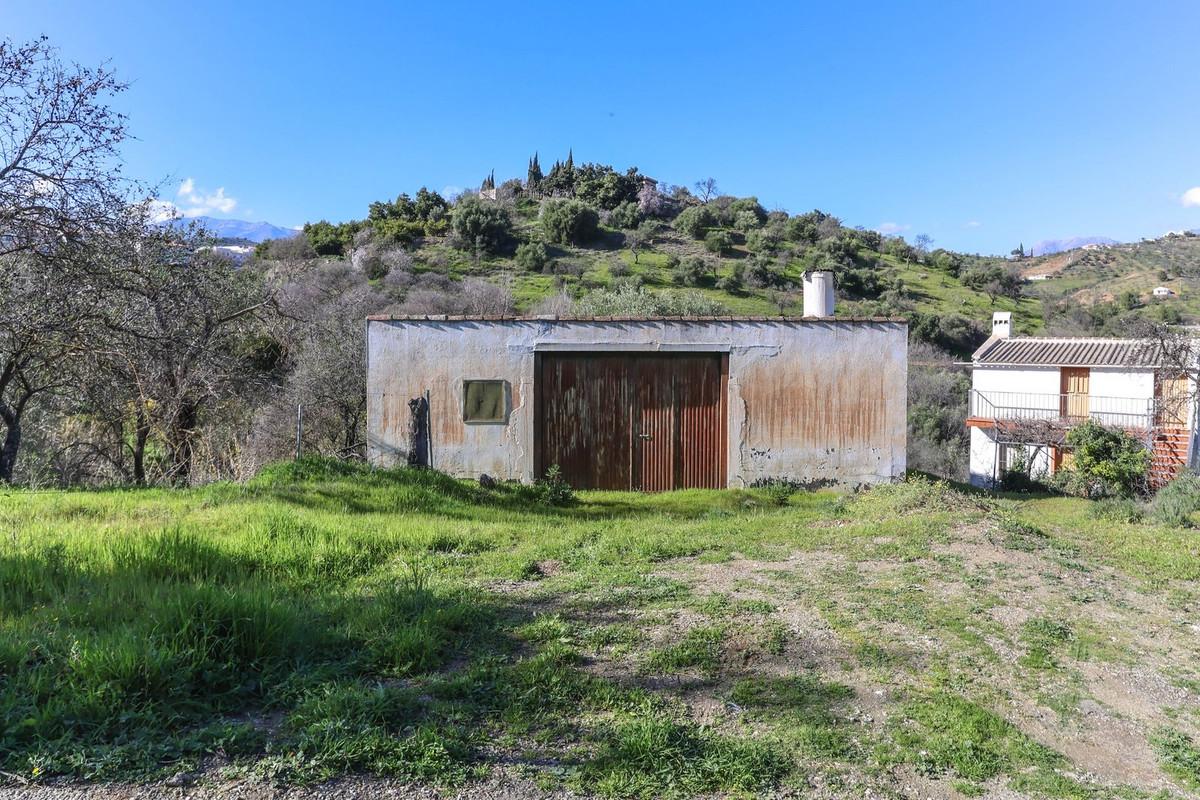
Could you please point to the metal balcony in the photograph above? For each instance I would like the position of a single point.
(1067, 410)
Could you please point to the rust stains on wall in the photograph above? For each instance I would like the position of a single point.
(800, 399)
(819, 404)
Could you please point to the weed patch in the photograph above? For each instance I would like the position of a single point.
(1179, 755)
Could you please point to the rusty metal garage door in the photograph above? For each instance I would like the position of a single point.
(649, 422)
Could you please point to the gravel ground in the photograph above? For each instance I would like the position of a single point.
(494, 788)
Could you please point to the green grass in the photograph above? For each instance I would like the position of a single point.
(325, 619)
(1180, 755)
(698, 649)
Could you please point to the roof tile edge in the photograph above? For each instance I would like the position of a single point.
(551, 318)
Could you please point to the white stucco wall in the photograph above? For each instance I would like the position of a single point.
(984, 468)
(1122, 382)
(983, 457)
(810, 400)
(1039, 380)
(1026, 387)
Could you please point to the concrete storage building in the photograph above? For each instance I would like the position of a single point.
(643, 403)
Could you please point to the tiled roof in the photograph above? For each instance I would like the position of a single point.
(1069, 352)
(558, 318)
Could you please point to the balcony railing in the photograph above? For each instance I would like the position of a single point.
(1064, 409)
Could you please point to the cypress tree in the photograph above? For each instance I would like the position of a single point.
(533, 178)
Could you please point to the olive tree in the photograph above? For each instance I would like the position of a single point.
(569, 221)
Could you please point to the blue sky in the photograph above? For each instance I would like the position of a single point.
(981, 124)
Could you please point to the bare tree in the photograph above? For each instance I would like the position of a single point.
(1177, 353)
(921, 244)
(707, 189)
(59, 176)
(60, 190)
(183, 330)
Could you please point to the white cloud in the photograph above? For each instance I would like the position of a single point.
(1191, 197)
(891, 228)
(451, 192)
(974, 224)
(193, 202)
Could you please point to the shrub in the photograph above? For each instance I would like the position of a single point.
(695, 221)
(747, 213)
(778, 490)
(692, 271)
(293, 248)
(481, 225)
(569, 221)
(951, 332)
(719, 242)
(735, 281)
(762, 274)
(1108, 462)
(369, 260)
(765, 240)
(328, 239)
(1176, 502)
(400, 231)
(532, 256)
(553, 489)
(626, 216)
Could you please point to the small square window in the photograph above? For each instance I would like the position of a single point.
(484, 401)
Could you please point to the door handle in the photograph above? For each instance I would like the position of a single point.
(645, 436)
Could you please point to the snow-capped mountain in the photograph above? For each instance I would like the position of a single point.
(237, 228)
(1049, 246)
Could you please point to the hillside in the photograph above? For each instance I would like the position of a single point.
(725, 251)
(1124, 276)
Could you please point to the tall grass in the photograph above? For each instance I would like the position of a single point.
(327, 618)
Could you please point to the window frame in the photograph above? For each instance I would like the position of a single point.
(505, 402)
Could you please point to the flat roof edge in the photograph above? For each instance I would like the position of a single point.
(554, 318)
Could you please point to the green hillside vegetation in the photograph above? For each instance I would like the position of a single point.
(1100, 290)
(549, 241)
(326, 619)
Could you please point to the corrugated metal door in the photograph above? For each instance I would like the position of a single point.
(649, 422)
(584, 407)
(700, 392)
(656, 436)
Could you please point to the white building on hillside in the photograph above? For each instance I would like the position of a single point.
(1028, 392)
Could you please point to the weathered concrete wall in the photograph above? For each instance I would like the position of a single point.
(812, 400)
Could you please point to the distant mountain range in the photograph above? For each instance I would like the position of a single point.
(1049, 246)
(237, 228)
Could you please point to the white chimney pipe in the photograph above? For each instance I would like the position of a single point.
(818, 293)
(1001, 324)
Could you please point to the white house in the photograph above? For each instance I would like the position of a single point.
(643, 403)
(1163, 291)
(1027, 392)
